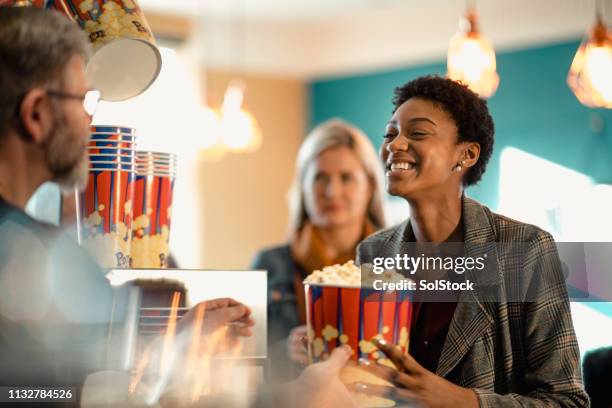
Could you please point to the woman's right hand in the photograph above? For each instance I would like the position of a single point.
(296, 348)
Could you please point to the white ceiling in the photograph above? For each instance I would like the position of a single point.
(314, 38)
(269, 9)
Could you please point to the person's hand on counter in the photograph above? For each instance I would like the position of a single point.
(295, 345)
(207, 329)
(414, 383)
(220, 313)
(319, 385)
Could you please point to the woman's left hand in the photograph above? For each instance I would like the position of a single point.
(412, 382)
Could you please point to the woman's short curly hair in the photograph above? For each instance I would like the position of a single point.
(471, 114)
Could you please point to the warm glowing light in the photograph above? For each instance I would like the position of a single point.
(471, 59)
(140, 370)
(590, 75)
(239, 129)
(164, 366)
(211, 132)
(194, 348)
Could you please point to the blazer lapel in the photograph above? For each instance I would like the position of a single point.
(471, 317)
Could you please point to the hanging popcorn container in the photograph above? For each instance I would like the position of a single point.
(125, 59)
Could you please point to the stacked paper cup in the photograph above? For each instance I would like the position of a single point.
(104, 208)
(152, 209)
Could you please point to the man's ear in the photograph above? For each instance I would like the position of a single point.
(36, 115)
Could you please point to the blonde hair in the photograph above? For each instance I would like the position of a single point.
(332, 134)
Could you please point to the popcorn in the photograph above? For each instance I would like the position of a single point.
(347, 275)
(367, 347)
(95, 11)
(94, 219)
(114, 21)
(329, 333)
(140, 223)
(403, 337)
(86, 6)
(350, 275)
(346, 278)
(149, 251)
(110, 250)
(111, 6)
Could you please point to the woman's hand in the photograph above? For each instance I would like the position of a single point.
(295, 344)
(412, 382)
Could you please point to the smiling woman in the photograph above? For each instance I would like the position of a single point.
(443, 130)
(475, 351)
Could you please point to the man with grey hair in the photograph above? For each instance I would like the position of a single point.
(56, 306)
(45, 106)
(43, 136)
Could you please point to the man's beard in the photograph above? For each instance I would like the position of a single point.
(67, 162)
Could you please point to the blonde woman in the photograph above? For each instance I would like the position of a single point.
(336, 201)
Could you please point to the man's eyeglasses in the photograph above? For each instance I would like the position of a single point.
(90, 99)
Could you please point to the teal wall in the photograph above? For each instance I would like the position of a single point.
(533, 110)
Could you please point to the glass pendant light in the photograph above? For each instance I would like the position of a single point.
(471, 58)
(590, 75)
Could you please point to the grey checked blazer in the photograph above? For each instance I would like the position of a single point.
(512, 354)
